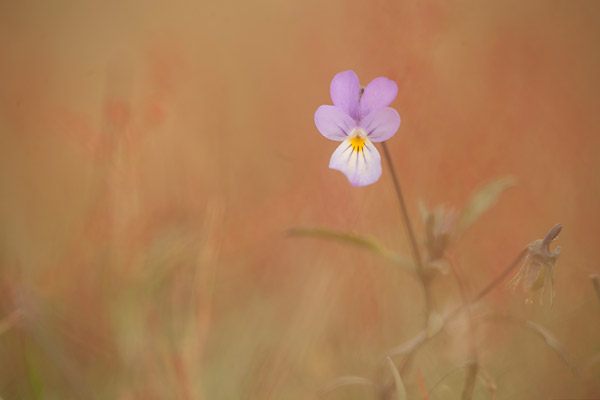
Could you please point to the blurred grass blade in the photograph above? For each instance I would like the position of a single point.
(596, 282)
(470, 381)
(545, 334)
(435, 323)
(9, 321)
(34, 373)
(488, 382)
(409, 346)
(346, 381)
(399, 384)
(354, 239)
(484, 198)
(423, 211)
(445, 376)
(553, 342)
(421, 385)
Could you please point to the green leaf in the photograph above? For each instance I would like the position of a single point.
(354, 239)
(398, 380)
(483, 198)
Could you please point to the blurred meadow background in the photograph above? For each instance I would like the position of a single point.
(153, 155)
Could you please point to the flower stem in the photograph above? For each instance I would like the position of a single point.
(411, 235)
(407, 224)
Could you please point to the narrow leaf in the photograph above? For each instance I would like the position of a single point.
(483, 198)
(354, 239)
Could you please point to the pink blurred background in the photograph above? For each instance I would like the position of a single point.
(152, 156)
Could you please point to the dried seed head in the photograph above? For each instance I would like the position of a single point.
(538, 269)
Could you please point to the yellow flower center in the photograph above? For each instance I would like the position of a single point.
(357, 142)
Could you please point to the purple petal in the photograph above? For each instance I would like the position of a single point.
(345, 90)
(333, 123)
(360, 167)
(379, 93)
(380, 125)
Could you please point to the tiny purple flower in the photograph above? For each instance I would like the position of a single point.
(357, 119)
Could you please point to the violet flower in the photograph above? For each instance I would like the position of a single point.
(357, 119)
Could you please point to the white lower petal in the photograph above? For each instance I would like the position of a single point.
(360, 167)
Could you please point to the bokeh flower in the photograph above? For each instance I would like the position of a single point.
(358, 118)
